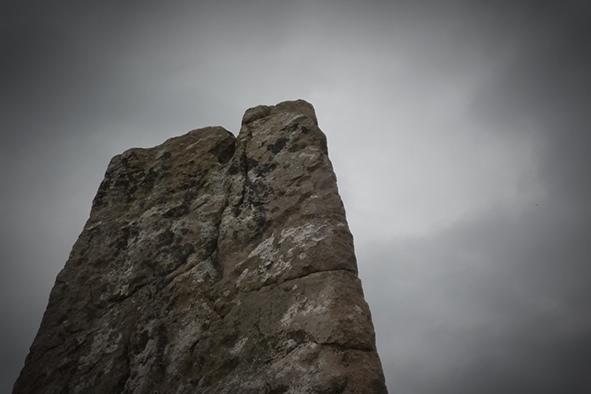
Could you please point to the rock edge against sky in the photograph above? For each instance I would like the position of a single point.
(213, 264)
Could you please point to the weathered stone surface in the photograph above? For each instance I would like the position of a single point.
(212, 264)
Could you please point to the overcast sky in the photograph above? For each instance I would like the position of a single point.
(459, 132)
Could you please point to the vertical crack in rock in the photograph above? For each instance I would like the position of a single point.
(213, 264)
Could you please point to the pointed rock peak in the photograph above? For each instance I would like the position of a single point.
(213, 264)
(297, 106)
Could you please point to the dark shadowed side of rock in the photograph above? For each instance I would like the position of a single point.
(213, 264)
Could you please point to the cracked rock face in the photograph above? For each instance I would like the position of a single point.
(213, 264)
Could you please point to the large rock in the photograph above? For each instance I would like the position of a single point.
(212, 264)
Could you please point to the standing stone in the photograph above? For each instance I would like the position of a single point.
(213, 264)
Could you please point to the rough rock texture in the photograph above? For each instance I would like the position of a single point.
(213, 264)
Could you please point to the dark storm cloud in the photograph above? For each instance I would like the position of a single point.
(548, 83)
(493, 304)
(499, 301)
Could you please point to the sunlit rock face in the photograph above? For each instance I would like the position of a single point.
(213, 264)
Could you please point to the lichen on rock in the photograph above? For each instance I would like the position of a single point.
(213, 264)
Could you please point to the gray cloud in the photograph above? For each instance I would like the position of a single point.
(458, 131)
(494, 303)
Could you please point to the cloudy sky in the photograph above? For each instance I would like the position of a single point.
(459, 132)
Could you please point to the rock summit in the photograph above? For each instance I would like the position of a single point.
(213, 264)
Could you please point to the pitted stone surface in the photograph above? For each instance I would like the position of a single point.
(213, 264)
